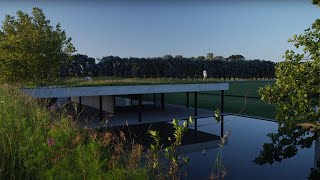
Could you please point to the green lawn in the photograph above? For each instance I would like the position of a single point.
(237, 105)
(107, 81)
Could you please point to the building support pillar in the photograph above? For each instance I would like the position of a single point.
(162, 101)
(195, 114)
(140, 107)
(221, 112)
(187, 99)
(79, 106)
(100, 108)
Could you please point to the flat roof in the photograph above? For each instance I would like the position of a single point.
(103, 81)
(54, 91)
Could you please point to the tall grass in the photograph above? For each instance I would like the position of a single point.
(36, 143)
(39, 143)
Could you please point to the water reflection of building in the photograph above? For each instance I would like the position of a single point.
(316, 154)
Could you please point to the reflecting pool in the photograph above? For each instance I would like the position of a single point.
(244, 144)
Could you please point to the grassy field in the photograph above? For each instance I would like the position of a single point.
(237, 105)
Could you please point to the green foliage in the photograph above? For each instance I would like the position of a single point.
(38, 144)
(219, 171)
(316, 2)
(217, 114)
(171, 153)
(236, 58)
(170, 67)
(210, 56)
(297, 96)
(31, 50)
(80, 66)
(296, 91)
(105, 81)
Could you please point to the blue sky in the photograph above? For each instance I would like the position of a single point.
(254, 29)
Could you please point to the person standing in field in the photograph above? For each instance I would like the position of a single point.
(205, 75)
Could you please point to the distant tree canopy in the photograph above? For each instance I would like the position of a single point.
(168, 67)
(236, 57)
(80, 66)
(210, 56)
(31, 50)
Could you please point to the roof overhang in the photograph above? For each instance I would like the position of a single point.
(55, 92)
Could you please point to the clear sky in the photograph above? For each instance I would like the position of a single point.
(255, 29)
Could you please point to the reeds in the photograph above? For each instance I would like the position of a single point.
(38, 143)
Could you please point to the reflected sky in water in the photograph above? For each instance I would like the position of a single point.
(244, 145)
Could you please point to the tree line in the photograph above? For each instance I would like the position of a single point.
(33, 50)
(235, 66)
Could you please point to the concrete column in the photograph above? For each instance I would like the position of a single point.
(187, 99)
(79, 106)
(162, 101)
(222, 111)
(100, 108)
(140, 107)
(195, 114)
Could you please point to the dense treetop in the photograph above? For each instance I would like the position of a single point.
(31, 49)
(169, 67)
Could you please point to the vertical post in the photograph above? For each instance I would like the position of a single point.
(140, 107)
(79, 106)
(195, 103)
(316, 154)
(187, 99)
(100, 108)
(222, 111)
(195, 113)
(162, 101)
(114, 103)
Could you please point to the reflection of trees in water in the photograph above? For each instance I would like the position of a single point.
(286, 143)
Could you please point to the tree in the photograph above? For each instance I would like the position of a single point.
(201, 58)
(81, 66)
(178, 57)
(297, 95)
(31, 50)
(218, 58)
(167, 57)
(236, 57)
(210, 56)
(297, 91)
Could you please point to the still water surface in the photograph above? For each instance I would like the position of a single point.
(244, 144)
